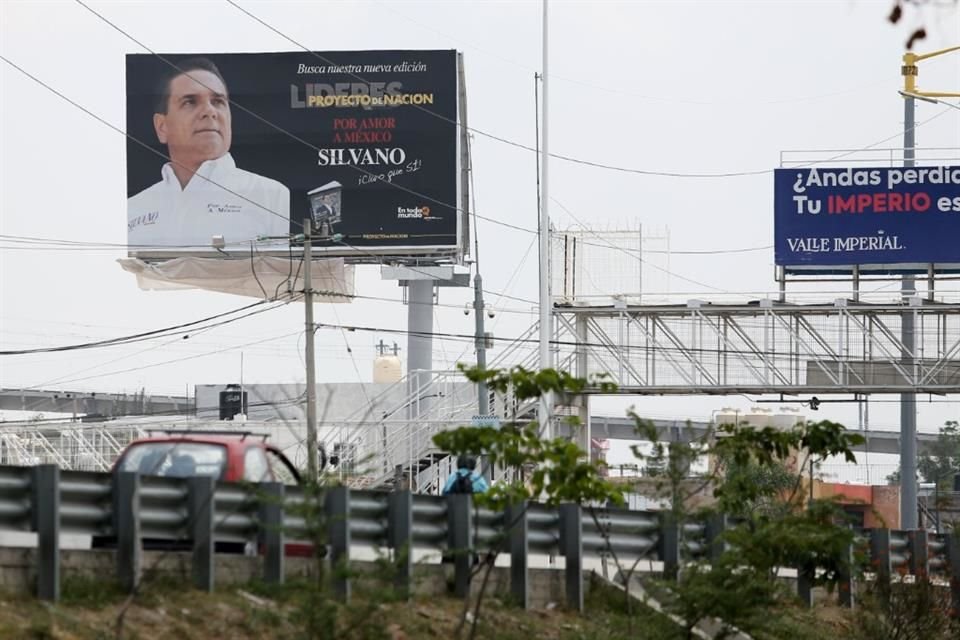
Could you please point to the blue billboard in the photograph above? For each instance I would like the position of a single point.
(841, 217)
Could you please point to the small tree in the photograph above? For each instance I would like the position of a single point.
(941, 460)
(552, 470)
(752, 484)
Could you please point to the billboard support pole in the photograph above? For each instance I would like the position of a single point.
(465, 167)
(908, 401)
(419, 344)
(856, 283)
(312, 473)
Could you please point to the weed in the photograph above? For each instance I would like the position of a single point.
(90, 592)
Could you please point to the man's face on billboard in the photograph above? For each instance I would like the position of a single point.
(196, 126)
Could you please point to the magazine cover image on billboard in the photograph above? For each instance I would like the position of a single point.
(247, 146)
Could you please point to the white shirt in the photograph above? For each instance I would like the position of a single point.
(231, 202)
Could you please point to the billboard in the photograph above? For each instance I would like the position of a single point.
(829, 218)
(228, 148)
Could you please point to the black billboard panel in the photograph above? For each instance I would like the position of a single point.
(228, 149)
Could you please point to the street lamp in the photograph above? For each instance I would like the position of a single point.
(908, 402)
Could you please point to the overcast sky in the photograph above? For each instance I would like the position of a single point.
(690, 87)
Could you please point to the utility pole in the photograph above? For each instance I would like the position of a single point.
(483, 398)
(312, 472)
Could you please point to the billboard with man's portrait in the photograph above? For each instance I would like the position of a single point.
(234, 151)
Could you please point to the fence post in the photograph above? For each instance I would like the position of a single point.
(917, 541)
(400, 537)
(337, 506)
(46, 509)
(571, 525)
(716, 525)
(459, 537)
(516, 519)
(668, 546)
(953, 566)
(880, 553)
(270, 530)
(806, 575)
(126, 522)
(200, 512)
(845, 579)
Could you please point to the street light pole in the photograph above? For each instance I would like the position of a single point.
(908, 401)
(544, 409)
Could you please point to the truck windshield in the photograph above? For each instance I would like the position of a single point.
(175, 459)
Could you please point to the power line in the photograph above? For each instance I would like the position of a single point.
(66, 245)
(599, 165)
(176, 360)
(137, 337)
(360, 169)
(379, 259)
(653, 98)
(516, 227)
(173, 413)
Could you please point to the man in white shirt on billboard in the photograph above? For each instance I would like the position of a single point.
(202, 193)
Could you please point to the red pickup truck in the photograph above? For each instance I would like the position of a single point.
(230, 456)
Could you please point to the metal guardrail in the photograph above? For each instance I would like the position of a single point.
(198, 513)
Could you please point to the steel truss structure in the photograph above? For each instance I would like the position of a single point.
(764, 347)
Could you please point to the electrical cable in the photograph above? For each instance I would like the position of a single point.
(482, 133)
(173, 413)
(653, 98)
(253, 270)
(35, 244)
(671, 174)
(379, 259)
(434, 114)
(136, 337)
(45, 383)
(398, 186)
(176, 360)
(360, 169)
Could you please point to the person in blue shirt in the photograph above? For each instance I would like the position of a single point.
(465, 479)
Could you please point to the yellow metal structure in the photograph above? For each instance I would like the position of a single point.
(909, 71)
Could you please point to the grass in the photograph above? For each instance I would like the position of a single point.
(297, 610)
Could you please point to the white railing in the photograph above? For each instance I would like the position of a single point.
(403, 435)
